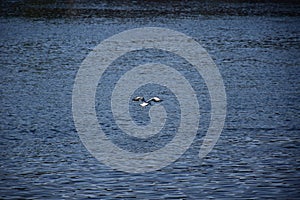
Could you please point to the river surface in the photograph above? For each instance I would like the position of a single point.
(256, 48)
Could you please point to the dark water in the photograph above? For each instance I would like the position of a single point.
(256, 47)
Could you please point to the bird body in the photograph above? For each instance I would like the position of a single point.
(144, 104)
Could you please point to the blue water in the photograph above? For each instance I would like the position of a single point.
(257, 155)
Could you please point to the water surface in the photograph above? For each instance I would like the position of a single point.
(256, 47)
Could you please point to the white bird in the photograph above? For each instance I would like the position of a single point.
(148, 102)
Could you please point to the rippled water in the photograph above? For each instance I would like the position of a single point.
(257, 155)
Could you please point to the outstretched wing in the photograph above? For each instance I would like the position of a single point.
(155, 99)
(138, 98)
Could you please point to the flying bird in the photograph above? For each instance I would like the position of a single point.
(148, 102)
